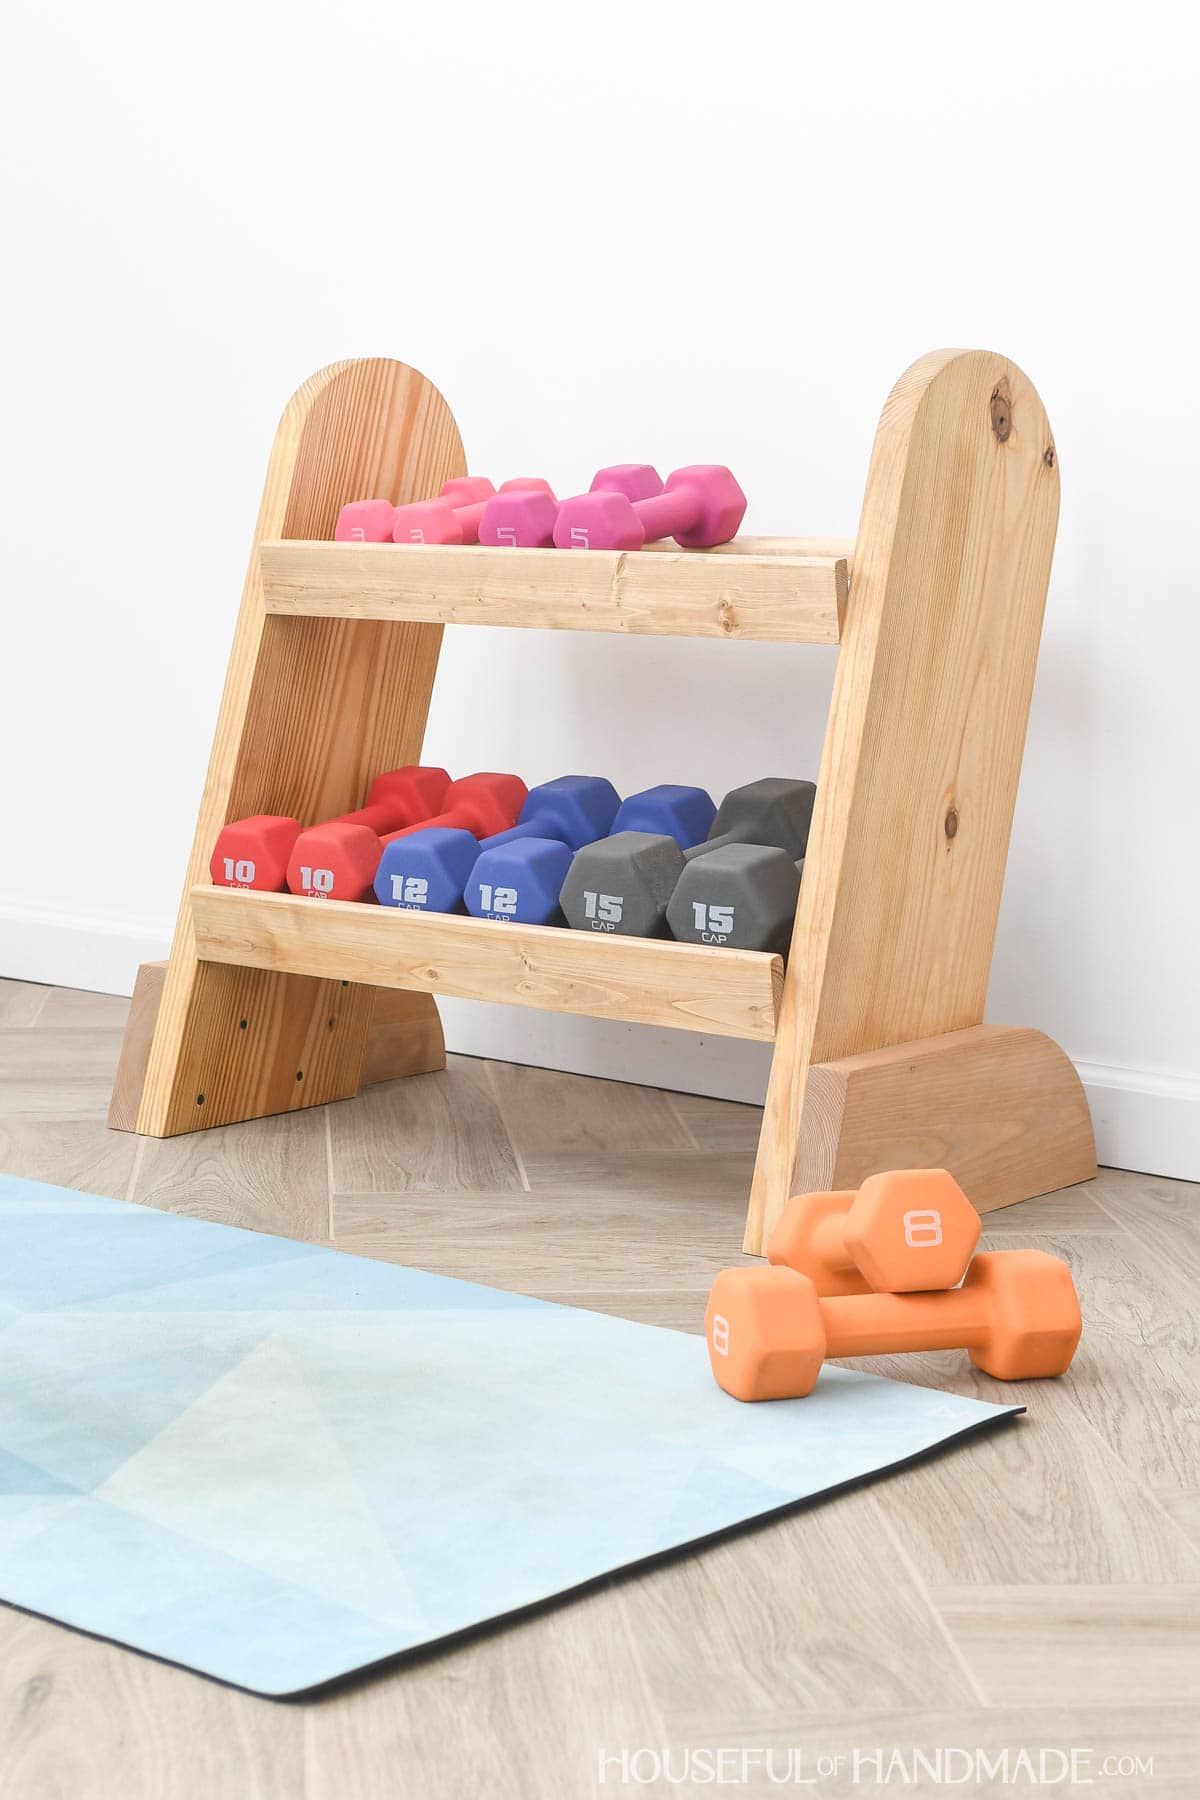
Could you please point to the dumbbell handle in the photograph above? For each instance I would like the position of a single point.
(725, 840)
(379, 816)
(877, 1324)
(828, 1241)
(468, 515)
(674, 510)
(464, 817)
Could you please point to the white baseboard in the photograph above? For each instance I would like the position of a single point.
(1144, 1119)
(63, 950)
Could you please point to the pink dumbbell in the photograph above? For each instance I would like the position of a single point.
(373, 521)
(454, 518)
(365, 522)
(527, 522)
(699, 506)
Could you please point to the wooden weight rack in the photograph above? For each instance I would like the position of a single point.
(881, 1059)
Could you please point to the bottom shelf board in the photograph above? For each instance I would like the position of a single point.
(643, 981)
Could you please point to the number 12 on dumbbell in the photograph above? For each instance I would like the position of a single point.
(497, 902)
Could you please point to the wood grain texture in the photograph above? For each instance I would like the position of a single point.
(148, 985)
(21, 1002)
(404, 1037)
(645, 981)
(81, 1719)
(272, 1179)
(897, 913)
(402, 1138)
(679, 593)
(984, 1596)
(1077, 1642)
(1000, 1106)
(312, 710)
(572, 1118)
(854, 1603)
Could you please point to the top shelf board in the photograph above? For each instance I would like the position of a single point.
(776, 590)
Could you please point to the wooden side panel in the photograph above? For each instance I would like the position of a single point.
(1000, 1106)
(135, 1046)
(311, 710)
(404, 1038)
(897, 915)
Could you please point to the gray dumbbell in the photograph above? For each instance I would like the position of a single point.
(775, 811)
(624, 883)
(740, 895)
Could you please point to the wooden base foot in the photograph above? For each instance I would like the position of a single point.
(404, 1038)
(1000, 1106)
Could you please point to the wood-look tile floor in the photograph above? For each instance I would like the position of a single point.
(1037, 1589)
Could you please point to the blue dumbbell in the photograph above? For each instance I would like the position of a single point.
(519, 881)
(520, 878)
(428, 871)
(684, 813)
(575, 809)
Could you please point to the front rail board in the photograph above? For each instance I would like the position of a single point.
(771, 597)
(644, 981)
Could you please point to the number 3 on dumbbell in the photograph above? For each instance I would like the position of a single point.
(603, 910)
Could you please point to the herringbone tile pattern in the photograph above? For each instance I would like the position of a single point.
(1037, 1590)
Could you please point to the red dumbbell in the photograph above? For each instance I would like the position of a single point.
(449, 521)
(338, 860)
(254, 852)
(698, 507)
(373, 521)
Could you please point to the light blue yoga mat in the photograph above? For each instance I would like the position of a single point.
(277, 1464)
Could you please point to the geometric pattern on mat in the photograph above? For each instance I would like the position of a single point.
(275, 1463)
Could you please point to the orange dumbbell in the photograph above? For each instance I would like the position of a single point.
(768, 1331)
(903, 1231)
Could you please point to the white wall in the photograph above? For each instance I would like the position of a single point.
(676, 232)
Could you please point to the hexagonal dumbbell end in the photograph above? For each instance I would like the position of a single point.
(334, 861)
(519, 882)
(1029, 1310)
(716, 505)
(365, 522)
(622, 884)
(519, 519)
(904, 1231)
(742, 896)
(253, 853)
(700, 506)
(765, 1334)
(426, 870)
(775, 809)
(684, 813)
